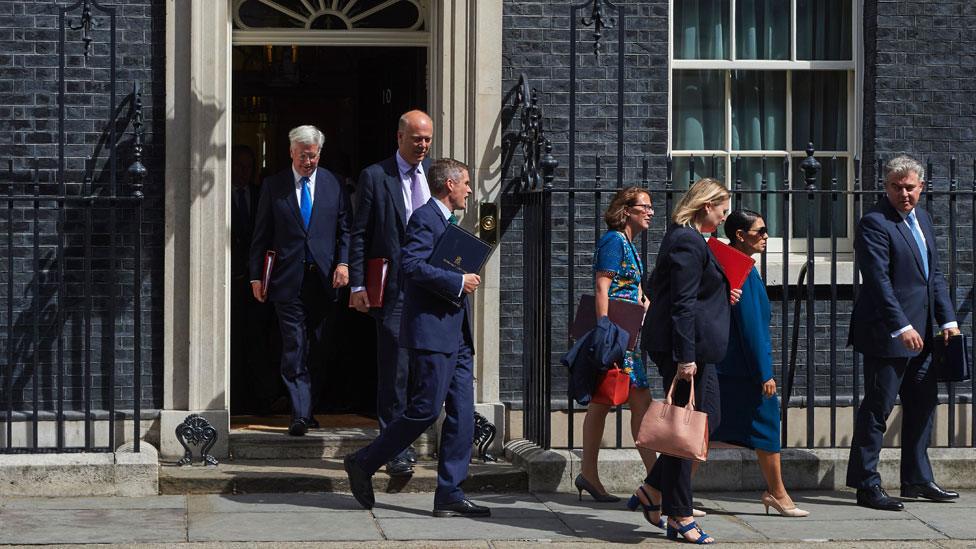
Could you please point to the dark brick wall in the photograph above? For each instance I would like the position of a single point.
(915, 100)
(536, 42)
(29, 32)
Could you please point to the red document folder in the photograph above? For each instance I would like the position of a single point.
(376, 270)
(736, 264)
(269, 260)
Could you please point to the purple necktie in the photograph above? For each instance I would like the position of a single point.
(417, 198)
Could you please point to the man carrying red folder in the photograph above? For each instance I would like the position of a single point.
(301, 217)
(389, 192)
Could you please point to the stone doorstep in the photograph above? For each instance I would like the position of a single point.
(732, 469)
(122, 473)
(328, 475)
(255, 444)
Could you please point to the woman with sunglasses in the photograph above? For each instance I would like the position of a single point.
(685, 333)
(750, 407)
(617, 273)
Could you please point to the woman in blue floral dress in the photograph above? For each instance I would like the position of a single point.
(618, 270)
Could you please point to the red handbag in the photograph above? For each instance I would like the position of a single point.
(613, 387)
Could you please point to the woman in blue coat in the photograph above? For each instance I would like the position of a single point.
(750, 407)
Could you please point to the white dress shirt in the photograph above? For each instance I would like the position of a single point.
(298, 186)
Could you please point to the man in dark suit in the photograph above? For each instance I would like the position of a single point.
(254, 381)
(302, 216)
(438, 336)
(904, 299)
(388, 194)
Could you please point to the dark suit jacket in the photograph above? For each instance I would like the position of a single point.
(689, 314)
(380, 225)
(895, 292)
(278, 226)
(429, 321)
(241, 231)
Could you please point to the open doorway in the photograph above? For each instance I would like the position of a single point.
(354, 95)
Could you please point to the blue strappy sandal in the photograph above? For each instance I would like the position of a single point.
(634, 502)
(679, 533)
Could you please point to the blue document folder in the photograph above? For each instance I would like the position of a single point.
(461, 252)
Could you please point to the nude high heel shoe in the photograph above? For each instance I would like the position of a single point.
(787, 511)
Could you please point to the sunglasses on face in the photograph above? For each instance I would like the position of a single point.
(761, 231)
(645, 207)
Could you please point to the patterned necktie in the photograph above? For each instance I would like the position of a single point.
(306, 204)
(453, 220)
(917, 233)
(417, 198)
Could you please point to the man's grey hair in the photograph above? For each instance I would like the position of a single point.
(306, 135)
(900, 166)
(441, 170)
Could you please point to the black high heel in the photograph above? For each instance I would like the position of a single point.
(582, 484)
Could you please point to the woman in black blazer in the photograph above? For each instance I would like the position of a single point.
(686, 332)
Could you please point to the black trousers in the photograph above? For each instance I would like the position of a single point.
(302, 321)
(884, 379)
(671, 475)
(392, 367)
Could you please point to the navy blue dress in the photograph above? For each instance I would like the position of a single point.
(748, 418)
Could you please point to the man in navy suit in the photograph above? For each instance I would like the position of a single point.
(389, 193)
(302, 216)
(904, 299)
(437, 335)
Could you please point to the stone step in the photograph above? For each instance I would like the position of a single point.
(275, 443)
(241, 476)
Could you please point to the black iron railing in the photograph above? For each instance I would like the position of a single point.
(73, 267)
(827, 377)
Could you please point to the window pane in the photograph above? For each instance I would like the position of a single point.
(698, 110)
(823, 29)
(751, 174)
(682, 174)
(758, 110)
(820, 110)
(762, 29)
(820, 207)
(701, 29)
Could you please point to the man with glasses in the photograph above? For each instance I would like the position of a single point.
(904, 300)
(302, 217)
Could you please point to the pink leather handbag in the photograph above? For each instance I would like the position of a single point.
(679, 431)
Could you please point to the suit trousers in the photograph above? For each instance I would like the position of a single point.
(884, 379)
(437, 380)
(671, 475)
(301, 322)
(392, 366)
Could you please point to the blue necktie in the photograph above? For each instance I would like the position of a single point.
(913, 225)
(306, 204)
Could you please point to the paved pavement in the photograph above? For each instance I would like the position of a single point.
(518, 520)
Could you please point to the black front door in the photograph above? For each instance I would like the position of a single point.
(355, 95)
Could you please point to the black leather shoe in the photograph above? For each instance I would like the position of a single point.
(360, 482)
(399, 467)
(875, 497)
(463, 508)
(410, 454)
(929, 490)
(298, 428)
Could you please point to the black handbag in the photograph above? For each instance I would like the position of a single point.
(951, 361)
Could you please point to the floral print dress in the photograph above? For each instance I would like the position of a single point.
(617, 256)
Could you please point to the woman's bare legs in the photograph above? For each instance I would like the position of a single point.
(769, 464)
(593, 424)
(639, 401)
